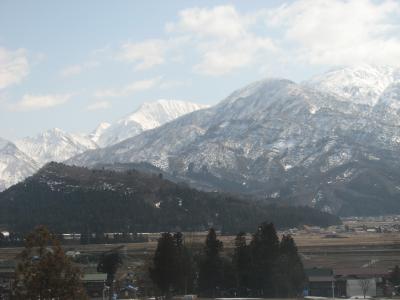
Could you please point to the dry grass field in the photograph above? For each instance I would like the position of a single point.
(354, 250)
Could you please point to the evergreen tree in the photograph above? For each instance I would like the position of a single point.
(45, 272)
(211, 266)
(164, 270)
(395, 276)
(109, 264)
(264, 254)
(290, 277)
(185, 274)
(241, 262)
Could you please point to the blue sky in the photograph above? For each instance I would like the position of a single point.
(74, 64)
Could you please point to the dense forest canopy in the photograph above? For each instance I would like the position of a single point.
(74, 199)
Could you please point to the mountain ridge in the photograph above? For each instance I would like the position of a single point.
(148, 116)
(270, 136)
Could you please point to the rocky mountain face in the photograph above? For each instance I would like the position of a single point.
(332, 142)
(57, 145)
(147, 116)
(14, 164)
(362, 84)
(54, 145)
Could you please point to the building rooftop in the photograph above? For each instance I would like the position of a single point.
(361, 272)
(94, 277)
(320, 278)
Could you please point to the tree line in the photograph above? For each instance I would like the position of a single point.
(17, 239)
(87, 201)
(264, 266)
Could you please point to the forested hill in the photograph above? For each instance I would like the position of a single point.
(75, 199)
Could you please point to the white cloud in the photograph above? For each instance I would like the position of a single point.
(36, 102)
(145, 55)
(219, 58)
(14, 66)
(338, 32)
(152, 52)
(129, 89)
(99, 105)
(78, 68)
(224, 38)
(221, 22)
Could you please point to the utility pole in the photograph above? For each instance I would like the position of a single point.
(333, 287)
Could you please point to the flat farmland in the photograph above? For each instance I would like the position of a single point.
(353, 250)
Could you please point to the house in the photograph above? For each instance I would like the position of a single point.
(371, 281)
(320, 282)
(94, 284)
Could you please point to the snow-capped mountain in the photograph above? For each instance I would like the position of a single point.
(147, 116)
(54, 145)
(23, 158)
(361, 84)
(325, 143)
(14, 164)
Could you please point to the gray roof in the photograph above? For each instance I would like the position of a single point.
(320, 278)
(94, 277)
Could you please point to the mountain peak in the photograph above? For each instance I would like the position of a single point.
(153, 114)
(362, 84)
(148, 116)
(259, 87)
(14, 164)
(54, 145)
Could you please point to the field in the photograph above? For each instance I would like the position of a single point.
(350, 250)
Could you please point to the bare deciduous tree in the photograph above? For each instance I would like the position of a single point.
(365, 284)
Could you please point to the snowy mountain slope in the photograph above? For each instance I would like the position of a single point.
(14, 164)
(361, 84)
(57, 145)
(98, 132)
(54, 145)
(280, 140)
(147, 116)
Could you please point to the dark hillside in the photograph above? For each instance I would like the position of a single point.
(75, 199)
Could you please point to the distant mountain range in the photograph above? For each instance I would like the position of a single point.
(30, 153)
(55, 145)
(148, 116)
(332, 142)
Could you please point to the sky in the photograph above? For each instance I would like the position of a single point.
(74, 64)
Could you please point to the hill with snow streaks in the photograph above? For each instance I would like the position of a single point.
(331, 143)
(14, 164)
(54, 145)
(148, 116)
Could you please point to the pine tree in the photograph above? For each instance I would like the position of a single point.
(109, 263)
(241, 262)
(164, 270)
(264, 254)
(45, 272)
(290, 277)
(211, 266)
(185, 274)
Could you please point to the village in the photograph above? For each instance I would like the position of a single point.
(355, 259)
